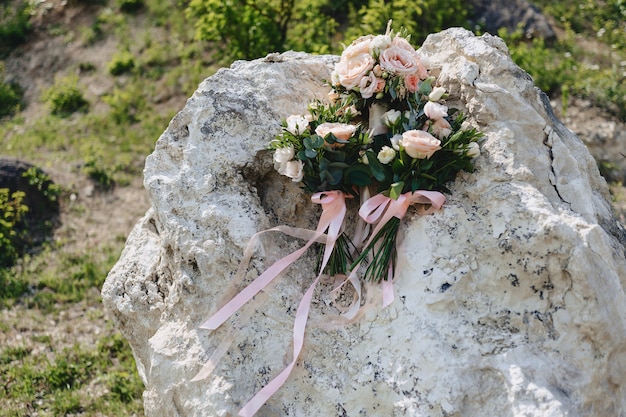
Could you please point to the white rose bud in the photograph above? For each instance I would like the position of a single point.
(379, 43)
(294, 170)
(297, 124)
(386, 155)
(436, 94)
(473, 150)
(391, 117)
(284, 155)
(395, 139)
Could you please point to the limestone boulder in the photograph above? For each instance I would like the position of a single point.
(508, 302)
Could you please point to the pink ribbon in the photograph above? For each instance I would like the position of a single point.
(333, 213)
(380, 209)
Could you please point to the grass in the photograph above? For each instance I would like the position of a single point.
(90, 380)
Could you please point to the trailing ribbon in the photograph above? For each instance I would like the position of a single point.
(379, 210)
(331, 220)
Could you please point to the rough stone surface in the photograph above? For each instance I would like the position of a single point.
(509, 301)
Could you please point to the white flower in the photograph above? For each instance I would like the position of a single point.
(379, 43)
(297, 124)
(436, 94)
(284, 155)
(473, 150)
(391, 117)
(435, 111)
(386, 155)
(294, 170)
(363, 158)
(395, 141)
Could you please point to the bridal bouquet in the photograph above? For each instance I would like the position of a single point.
(386, 129)
(386, 137)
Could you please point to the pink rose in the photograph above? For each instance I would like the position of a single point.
(341, 131)
(355, 63)
(399, 61)
(435, 111)
(440, 128)
(412, 82)
(402, 43)
(419, 144)
(370, 85)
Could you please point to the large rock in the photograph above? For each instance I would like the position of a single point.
(509, 301)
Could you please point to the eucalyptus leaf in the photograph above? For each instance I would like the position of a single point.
(310, 153)
(377, 169)
(302, 155)
(336, 176)
(358, 174)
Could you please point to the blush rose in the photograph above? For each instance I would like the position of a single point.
(419, 144)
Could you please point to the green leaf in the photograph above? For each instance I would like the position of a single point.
(310, 153)
(359, 175)
(426, 86)
(377, 169)
(396, 190)
(313, 142)
(336, 176)
(302, 155)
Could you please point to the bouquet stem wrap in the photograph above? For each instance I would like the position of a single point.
(331, 220)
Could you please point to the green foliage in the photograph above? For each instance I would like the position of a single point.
(126, 105)
(65, 97)
(14, 25)
(43, 183)
(12, 211)
(10, 95)
(129, 6)
(564, 69)
(604, 19)
(244, 29)
(418, 17)
(122, 62)
(55, 386)
(11, 287)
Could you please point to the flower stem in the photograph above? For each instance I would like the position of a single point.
(383, 250)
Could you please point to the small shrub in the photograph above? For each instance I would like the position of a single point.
(121, 63)
(125, 105)
(11, 288)
(14, 26)
(10, 95)
(12, 211)
(101, 175)
(129, 6)
(64, 97)
(43, 183)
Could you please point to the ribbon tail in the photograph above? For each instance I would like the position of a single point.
(210, 366)
(253, 288)
(388, 293)
(299, 326)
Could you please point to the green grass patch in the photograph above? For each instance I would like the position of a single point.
(38, 384)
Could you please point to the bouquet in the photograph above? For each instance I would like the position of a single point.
(387, 129)
(386, 137)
